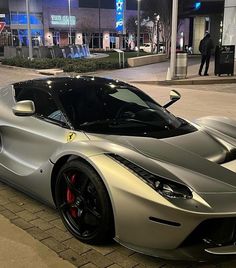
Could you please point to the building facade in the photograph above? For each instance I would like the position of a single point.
(199, 17)
(52, 22)
(104, 26)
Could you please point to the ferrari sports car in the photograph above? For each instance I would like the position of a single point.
(116, 164)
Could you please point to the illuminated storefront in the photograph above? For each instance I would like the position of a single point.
(5, 36)
(18, 23)
(51, 23)
(58, 27)
(63, 20)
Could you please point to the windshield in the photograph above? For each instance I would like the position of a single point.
(115, 109)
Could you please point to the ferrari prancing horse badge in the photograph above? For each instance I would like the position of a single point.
(71, 136)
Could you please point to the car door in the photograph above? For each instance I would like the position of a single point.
(28, 142)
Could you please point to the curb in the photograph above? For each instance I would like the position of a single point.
(16, 67)
(49, 71)
(188, 82)
(38, 71)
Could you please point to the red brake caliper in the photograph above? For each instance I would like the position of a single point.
(70, 198)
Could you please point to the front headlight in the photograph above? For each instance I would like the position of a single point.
(173, 190)
(163, 186)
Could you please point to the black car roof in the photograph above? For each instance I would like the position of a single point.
(54, 84)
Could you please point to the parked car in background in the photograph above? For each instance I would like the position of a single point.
(146, 47)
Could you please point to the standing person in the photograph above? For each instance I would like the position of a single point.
(205, 47)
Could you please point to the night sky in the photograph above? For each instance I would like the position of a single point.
(131, 4)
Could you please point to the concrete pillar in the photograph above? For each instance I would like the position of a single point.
(117, 42)
(229, 26)
(131, 41)
(106, 41)
(186, 31)
(198, 33)
(48, 38)
(173, 38)
(79, 38)
(215, 21)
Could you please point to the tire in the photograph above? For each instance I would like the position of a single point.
(83, 203)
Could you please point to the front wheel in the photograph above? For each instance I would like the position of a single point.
(83, 203)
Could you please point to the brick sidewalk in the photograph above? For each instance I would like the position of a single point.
(44, 224)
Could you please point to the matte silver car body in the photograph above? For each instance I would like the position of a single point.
(32, 150)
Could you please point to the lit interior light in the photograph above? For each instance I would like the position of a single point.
(198, 5)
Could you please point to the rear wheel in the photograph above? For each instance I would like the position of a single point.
(83, 203)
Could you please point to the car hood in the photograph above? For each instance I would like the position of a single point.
(197, 152)
(199, 143)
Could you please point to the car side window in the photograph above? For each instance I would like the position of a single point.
(45, 106)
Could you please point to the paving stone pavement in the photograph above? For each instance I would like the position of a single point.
(44, 224)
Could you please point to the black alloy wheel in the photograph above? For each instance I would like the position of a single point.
(83, 203)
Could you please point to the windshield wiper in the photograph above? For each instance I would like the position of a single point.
(96, 123)
(120, 122)
(160, 124)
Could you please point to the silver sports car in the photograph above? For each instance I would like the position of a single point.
(116, 164)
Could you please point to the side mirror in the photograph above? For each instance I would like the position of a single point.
(24, 108)
(174, 96)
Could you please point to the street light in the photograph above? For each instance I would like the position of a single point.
(29, 30)
(99, 24)
(70, 41)
(138, 31)
(158, 36)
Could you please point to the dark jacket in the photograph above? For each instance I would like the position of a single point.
(206, 45)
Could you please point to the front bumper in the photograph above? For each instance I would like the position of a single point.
(172, 232)
(212, 239)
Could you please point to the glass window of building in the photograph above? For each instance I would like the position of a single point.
(20, 18)
(56, 38)
(113, 40)
(92, 39)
